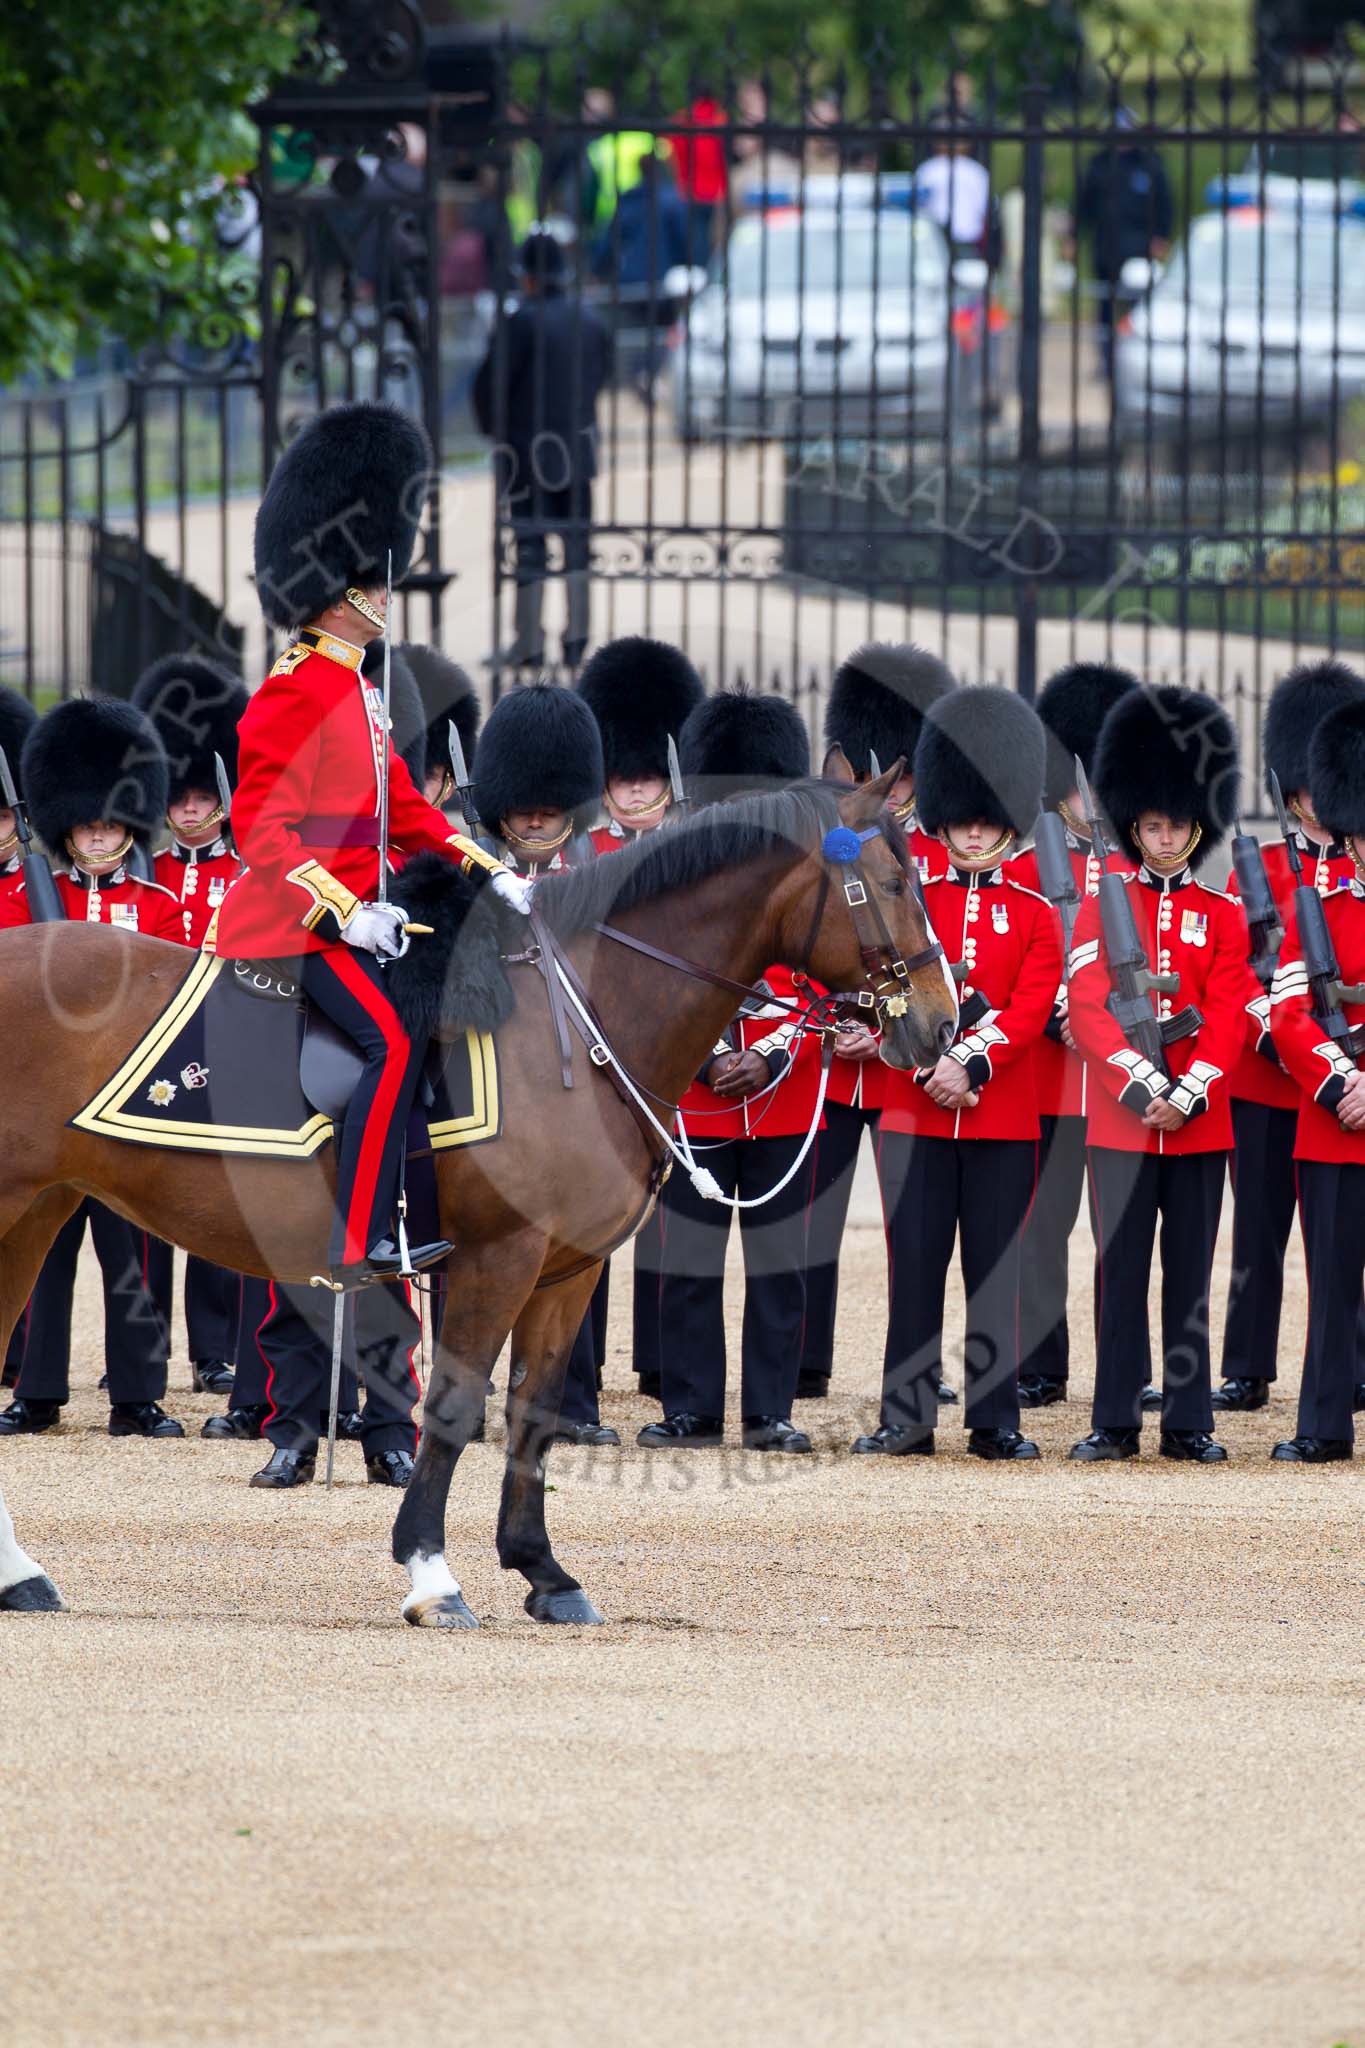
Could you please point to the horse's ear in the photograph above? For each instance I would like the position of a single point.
(867, 802)
(838, 767)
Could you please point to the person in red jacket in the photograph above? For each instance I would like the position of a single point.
(1166, 774)
(1072, 705)
(347, 491)
(1265, 1099)
(747, 1114)
(1329, 1147)
(876, 706)
(958, 1145)
(95, 777)
(641, 692)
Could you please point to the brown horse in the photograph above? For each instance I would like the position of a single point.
(532, 1214)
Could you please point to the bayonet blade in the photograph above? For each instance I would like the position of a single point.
(874, 766)
(1092, 816)
(11, 794)
(224, 788)
(675, 774)
(460, 770)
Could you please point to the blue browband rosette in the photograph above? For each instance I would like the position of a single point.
(843, 845)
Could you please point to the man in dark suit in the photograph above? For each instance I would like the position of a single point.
(535, 394)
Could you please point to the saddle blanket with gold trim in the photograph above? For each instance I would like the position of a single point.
(219, 1072)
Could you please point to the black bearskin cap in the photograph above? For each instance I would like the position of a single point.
(737, 740)
(640, 691)
(878, 701)
(407, 727)
(1336, 769)
(1298, 704)
(1073, 705)
(195, 704)
(349, 487)
(448, 697)
(17, 720)
(93, 758)
(540, 746)
(981, 755)
(1164, 748)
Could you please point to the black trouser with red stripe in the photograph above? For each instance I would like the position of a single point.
(1332, 1208)
(696, 1233)
(348, 987)
(251, 1374)
(836, 1160)
(1044, 1339)
(1132, 1192)
(136, 1340)
(381, 1335)
(936, 1190)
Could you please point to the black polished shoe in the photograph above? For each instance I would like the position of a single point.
(651, 1385)
(1001, 1443)
(1151, 1397)
(1106, 1443)
(384, 1261)
(584, 1433)
(390, 1468)
(243, 1425)
(812, 1386)
(350, 1428)
(1195, 1446)
(286, 1468)
(211, 1376)
(142, 1418)
(947, 1396)
(1242, 1395)
(1036, 1392)
(895, 1440)
(696, 1432)
(26, 1418)
(772, 1433)
(1311, 1450)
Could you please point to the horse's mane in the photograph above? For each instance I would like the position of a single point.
(692, 849)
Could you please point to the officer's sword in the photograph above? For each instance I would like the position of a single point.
(384, 738)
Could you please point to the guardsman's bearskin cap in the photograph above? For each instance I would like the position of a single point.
(540, 746)
(406, 725)
(1164, 748)
(1298, 704)
(981, 756)
(640, 691)
(350, 486)
(95, 758)
(739, 740)
(195, 704)
(878, 701)
(17, 720)
(1073, 705)
(1336, 770)
(448, 697)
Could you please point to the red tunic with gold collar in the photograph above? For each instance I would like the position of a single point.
(199, 878)
(1318, 1065)
(1326, 869)
(306, 812)
(115, 899)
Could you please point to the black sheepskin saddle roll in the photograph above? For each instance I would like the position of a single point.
(451, 980)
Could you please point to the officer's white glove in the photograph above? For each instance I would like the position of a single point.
(377, 928)
(510, 888)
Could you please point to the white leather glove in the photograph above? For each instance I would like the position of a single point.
(377, 928)
(510, 888)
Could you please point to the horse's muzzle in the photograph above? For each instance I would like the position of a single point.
(911, 1041)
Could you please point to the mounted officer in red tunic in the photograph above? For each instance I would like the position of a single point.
(315, 761)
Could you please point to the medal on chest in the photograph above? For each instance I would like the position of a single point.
(1194, 927)
(1000, 917)
(217, 891)
(124, 914)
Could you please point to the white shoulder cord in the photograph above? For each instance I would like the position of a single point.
(701, 1177)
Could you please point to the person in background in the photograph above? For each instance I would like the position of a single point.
(954, 190)
(696, 142)
(645, 239)
(1123, 208)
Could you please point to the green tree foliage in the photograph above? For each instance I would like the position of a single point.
(119, 122)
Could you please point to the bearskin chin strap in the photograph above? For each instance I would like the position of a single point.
(536, 851)
(1176, 861)
(358, 600)
(209, 828)
(637, 817)
(971, 863)
(106, 864)
(7, 846)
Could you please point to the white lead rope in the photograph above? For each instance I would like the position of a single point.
(701, 1177)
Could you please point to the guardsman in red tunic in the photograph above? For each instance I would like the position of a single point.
(1072, 706)
(1265, 1099)
(95, 780)
(346, 491)
(1166, 774)
(17, 719)
(876, 706)
(641, 692)
(747, 1114)
(958, 1145)
(195, 704)
(1330, 1147)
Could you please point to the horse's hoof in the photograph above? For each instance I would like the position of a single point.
(33, 1596)
(572, 1606)
(447, 1611)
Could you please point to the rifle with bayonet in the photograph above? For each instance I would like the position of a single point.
(1259, 905)
(40, 888)
(1057, 882)
(464, 788)
(1326, 990)
(1132, 983)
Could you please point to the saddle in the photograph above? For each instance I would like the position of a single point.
(330, 1063)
